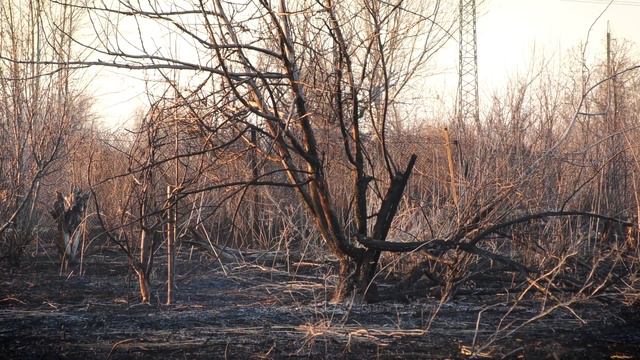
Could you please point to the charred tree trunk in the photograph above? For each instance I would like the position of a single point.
(369, 263)
(356, 273)
(68, 211)
(346, 280)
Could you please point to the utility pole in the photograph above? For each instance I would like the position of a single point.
(612, 106)
(618, 171)
(253, 164)
(172, 214)
(468, 67)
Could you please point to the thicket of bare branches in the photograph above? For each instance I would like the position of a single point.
(40, 111)
(309, 101)
(294, 132)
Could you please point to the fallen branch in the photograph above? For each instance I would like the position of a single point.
(542, 215)
(400, 247)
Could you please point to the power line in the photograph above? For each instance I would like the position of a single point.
(602, 2)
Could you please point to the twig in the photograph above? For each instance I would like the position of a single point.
(115, 346)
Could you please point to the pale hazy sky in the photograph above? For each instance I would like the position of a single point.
(510, 33)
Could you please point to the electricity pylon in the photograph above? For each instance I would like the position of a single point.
(468, 68)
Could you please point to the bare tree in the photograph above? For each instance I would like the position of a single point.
(130, 199)
(39, 111)
(287, 71)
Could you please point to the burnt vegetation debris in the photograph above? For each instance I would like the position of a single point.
(261, 308)
(284, 193)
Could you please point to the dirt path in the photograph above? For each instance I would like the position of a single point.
(255, 311)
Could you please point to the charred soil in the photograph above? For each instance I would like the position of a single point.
(269, 309)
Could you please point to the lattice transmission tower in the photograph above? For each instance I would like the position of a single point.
(468, 109)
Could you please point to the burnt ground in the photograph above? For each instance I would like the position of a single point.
(252, 310)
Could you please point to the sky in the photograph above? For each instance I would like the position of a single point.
(513, 37)
(513, 32)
